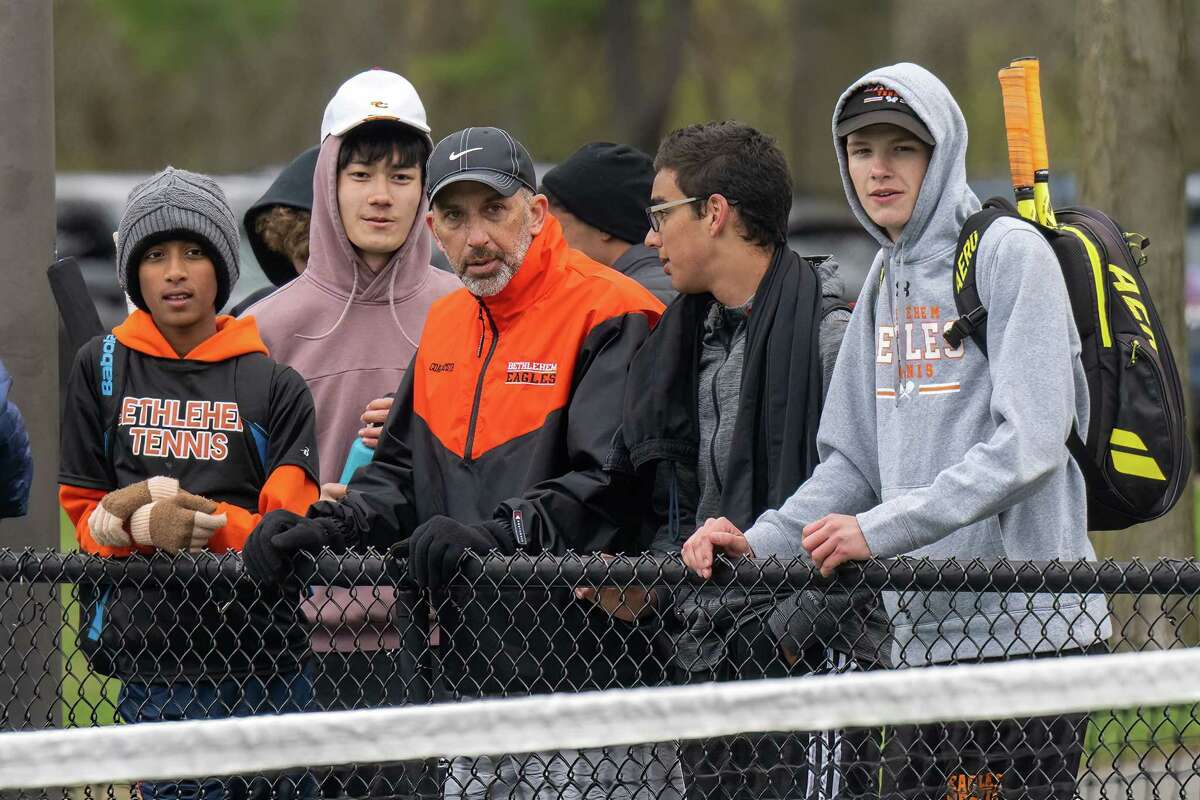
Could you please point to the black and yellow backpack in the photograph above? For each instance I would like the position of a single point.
(1136, 458)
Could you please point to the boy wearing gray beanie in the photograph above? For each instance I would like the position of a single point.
(179, 430)
(177, 204)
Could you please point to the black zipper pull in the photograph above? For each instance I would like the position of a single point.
(482, 333)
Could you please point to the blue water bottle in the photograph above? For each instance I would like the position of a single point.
(360, 455)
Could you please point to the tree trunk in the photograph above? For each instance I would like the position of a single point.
(1130, 165)
(621, 35)
(644, 67)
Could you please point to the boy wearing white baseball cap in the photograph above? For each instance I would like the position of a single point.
(349, 324)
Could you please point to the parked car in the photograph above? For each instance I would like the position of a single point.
(828, 228)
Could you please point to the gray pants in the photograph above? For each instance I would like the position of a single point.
(635, 772)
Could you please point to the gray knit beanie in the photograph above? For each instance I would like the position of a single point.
(177, 204)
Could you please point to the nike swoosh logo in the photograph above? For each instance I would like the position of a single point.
(457, 156)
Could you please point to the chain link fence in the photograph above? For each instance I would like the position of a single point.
(95, 641)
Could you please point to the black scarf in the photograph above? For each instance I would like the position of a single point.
(774, 439)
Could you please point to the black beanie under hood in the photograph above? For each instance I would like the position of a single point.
(607, 186)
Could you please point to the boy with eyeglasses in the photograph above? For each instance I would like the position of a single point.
(720, 420)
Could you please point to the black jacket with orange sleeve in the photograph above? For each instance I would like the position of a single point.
(136, 410)
(508, 413)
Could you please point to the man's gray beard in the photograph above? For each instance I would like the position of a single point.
(494, 284)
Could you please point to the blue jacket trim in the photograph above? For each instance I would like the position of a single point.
(98, 620)
(260, 442)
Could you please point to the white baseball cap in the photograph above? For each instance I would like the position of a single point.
(371, 95)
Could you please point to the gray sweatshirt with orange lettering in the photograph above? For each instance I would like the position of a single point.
(942, 451)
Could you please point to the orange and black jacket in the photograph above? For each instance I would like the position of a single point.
(508, 413)
(231, 425)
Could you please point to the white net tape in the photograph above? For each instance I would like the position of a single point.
(127, 753)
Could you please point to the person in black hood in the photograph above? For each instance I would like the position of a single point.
(277, 226)
(599, 196)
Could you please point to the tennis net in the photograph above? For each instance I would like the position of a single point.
(1056, 727)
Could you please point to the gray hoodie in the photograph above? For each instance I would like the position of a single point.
(944, 452)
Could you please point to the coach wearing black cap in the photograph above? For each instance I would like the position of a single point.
(497, 441)
(599, 195)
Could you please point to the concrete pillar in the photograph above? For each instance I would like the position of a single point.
(29, 659)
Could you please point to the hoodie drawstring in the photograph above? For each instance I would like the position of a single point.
(342, 316)
(392, 305)
(350, 301)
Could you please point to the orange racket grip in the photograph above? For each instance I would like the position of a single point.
(1016, 125)
(1037, 122)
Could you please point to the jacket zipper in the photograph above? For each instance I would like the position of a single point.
(482, 373)
(1173, 424)
(482, 333)
(712, 445)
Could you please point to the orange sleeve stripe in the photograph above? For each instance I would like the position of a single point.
(79, 502)
(288, 487)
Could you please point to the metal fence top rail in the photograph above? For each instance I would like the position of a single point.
(1158, 576)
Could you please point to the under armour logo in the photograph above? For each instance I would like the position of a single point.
(906, 285)
(305, 451)
(458, 155)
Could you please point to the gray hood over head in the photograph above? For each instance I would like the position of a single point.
(939, 450)
(945, 200)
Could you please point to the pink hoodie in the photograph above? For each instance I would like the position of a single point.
(351, 334)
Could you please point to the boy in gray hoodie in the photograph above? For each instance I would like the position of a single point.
(939, 451)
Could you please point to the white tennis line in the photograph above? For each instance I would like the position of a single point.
(126, 753)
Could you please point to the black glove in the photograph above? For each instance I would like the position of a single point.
(436, 547)
(279, 535)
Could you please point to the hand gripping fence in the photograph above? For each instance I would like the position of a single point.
(539, 674)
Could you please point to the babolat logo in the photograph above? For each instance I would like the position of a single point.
(441, 366)
(107, 348)
(537, 373)
(1127, 287)
(965, 257)
(1134, 463)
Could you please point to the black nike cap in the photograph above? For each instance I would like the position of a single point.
(485, 155)
(876, 105)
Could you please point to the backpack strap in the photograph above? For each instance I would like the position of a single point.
(972, 316)
(832, 304)
(253, 381)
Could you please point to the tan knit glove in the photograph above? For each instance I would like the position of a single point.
(109, 519)
(183, 522)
